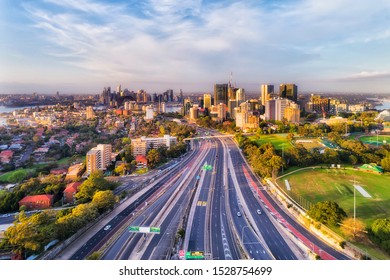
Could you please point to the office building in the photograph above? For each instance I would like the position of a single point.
(194, 112)
(149, 113)
(292, 112)
(222, 111)
(240, 96)
(220, 94)
(90, 113)
(289, 91)
(318, 104)
(207, 100)
(266, 91)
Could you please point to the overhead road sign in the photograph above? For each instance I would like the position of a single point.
(207, 167)
(144, 229)
(196, 255)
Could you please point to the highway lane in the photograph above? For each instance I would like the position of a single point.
(141, 246)
(198, 230)
(126, 242)
(223, 245)
(169, 226)
(101, 236)
(276, 243)
(308, 238)
(247, 236)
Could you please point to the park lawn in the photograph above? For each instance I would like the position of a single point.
(311, 186)
(6, 176)
(65, 161)
(309, 145)
(278, 140)
(372, 140)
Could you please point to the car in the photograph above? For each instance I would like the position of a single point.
(239, 214)
(258, 211)
(107, 227)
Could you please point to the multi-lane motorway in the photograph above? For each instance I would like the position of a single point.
(212, 195)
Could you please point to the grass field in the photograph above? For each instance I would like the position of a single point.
(6, 176)
(309, 143)
(372, 140)
(278, 140)
(311, 186)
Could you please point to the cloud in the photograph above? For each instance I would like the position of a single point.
(366, 76)
(173, 41)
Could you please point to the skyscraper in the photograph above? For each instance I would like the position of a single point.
(289, 91)
(266, 91)
(90, 113)
(240, 96)
(220, 94)
(207, 100)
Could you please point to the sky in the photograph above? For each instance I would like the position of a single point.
(81, 46)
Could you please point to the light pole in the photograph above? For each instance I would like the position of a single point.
(377, 138)
(282, 157)
(354, 206)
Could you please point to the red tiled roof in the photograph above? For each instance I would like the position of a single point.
(7, 153)
(72, 187)
(140, 158)
(58, 171)
(39, 197)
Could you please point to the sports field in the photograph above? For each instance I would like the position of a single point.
(372, 140)
(278, 140)
(313, 185)
(309, 143)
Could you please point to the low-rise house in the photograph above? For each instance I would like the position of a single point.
(141, 161)
(40, 201)
(70, 192)
(6, 156)
(74, 171)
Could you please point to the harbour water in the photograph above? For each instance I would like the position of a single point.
(4, 109)
(385, 105)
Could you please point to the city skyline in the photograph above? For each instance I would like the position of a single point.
(83, 46)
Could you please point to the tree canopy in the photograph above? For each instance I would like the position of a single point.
(327, 212)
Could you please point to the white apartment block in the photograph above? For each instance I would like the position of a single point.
(141, 146)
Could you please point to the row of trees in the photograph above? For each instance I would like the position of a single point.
(331, 214)
(161, 154)
(30, 234)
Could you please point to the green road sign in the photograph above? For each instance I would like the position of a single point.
(134, 229)
(196, 255)
(207, 167)
(144, 229)
(155, 229)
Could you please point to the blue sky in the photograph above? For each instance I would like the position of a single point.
(81, 46)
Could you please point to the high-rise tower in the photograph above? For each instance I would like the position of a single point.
(266, 91)
(220, 94)
(289, 91)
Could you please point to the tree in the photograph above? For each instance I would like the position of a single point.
(353, 228)
(385, 163)
(94, 183)
(31, 233)
(327, 212)
(276, 163)
(104, 200)
(380, 233)
(290, 136)
(153, 158)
